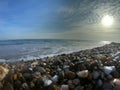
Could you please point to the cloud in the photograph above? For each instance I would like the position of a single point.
(55, 18)
(85, 12)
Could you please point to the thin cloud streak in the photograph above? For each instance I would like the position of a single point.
(57, 18)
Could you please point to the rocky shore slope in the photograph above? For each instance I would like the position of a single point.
(91, 69)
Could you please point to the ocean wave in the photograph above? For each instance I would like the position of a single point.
(14, 50)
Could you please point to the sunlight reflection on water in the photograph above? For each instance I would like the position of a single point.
(105, 42)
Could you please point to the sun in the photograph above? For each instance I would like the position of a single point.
(107, 21)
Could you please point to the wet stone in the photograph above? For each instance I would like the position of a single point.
(70, 75)
(83, 74)
(91, 69)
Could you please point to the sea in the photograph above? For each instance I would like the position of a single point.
(31, 49)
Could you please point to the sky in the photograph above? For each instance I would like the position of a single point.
(59, 19)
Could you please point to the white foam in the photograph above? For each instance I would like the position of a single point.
(2, 60)
(32, 49)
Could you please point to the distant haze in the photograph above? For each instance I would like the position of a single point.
(59, 19)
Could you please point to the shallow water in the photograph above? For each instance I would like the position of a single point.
(12, 50)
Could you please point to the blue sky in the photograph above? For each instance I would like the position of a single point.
(61, 19)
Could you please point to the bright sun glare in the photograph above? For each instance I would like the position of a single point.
(107, 20)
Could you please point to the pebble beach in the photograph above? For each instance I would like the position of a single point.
(90, 69)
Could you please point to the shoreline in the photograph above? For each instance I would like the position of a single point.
(90, 69)
(55, 55)
(52, 55)
(29, 50)
(86, 52)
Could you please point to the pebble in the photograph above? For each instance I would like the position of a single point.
(64, 87)
(109, 69)
(95, 74)
(91, 69)
(3, 72)
(83, 74)
(116, 83)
